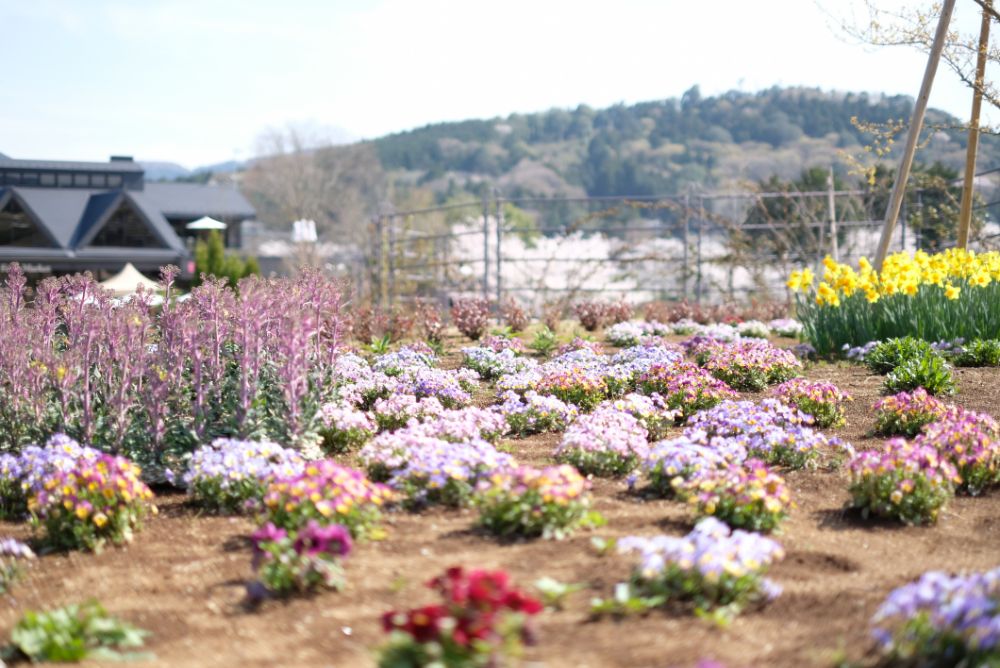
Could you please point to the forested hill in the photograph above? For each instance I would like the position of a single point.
(663, 146)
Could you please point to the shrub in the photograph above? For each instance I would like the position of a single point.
(969, 441)
(471, 316)
(684, 387)
(618, 311)
(905, 413)
(535, 413)
(552, 314)
(885, 356)
(430, 324)
(714, 568)
(786, 327)
(427, 470)
(941, 620)
(928, 371)
(491, 365)
(481, 621)
(679, 459)
(344, 428)
(748, 364)
(592, 314)
(299, 561)
(550, 502)
(74, 633)
(754, 329)
(979, 353)
(94, 502)
(25, 474)
(399, 409)
(748, 496)
(404, 360)
(579, 344)
(625, 334)
(607, 442)
(514, 315)
(501, 340)
(451, 388)
(368, 323)
(328, 493)
(400, 324)
(820, 400)
(544, 340)
(211, 259)
(908, 482)
(229, 475)
(650, 412)
(739, 418)
(582, 387)
(460, 424)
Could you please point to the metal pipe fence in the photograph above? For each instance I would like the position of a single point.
(703, 247)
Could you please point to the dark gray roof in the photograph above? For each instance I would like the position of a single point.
(114, 166)
(58, 210)
(73, 216)
(156, 220)
(193, 200)
(99, 207)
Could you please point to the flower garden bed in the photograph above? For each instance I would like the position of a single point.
(184, 575)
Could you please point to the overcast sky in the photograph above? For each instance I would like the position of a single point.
(197, 82)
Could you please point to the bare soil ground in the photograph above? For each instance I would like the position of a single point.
(183, 578)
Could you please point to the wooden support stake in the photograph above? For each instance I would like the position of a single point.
(916, 124)
(965, 215)
(831, 206)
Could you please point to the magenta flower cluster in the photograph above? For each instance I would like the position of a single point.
(300, 560)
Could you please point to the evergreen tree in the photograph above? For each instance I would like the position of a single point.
(211, 258)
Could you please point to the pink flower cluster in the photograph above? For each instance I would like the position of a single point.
(821, 400)
(971, 442)
(747, 364)
(748, 495)
(906, 413)
(908, 481)
(605, 442)
(684, 387)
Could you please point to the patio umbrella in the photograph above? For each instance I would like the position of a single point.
(127, 281)
(206, 223)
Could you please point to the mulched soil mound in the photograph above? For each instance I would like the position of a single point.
(184, 576)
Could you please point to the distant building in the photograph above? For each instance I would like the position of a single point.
(62, 217)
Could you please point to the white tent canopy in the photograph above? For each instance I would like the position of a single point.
(127, 281)
(206, 223)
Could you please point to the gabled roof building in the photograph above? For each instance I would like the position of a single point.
(62, 217)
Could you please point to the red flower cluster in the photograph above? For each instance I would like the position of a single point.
(474, 602)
